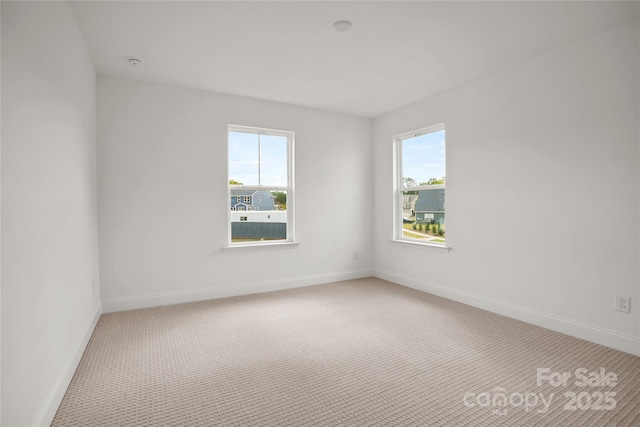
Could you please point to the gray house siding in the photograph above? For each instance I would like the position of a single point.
(430, 217)
(259, 230)
(250, 200)
(430, 206)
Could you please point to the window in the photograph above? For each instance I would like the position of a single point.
(260, 163)
(419, 197)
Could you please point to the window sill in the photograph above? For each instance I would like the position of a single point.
(259, 246)
(427, 246)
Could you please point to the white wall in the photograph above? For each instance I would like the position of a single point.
(542, 190)
(163, 197)
(0, 221)
(49, 207)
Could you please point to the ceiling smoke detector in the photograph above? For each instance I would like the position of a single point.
(342, 26)
(136, 63)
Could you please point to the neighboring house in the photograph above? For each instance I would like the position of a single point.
(252, 200)
(409, 205)
(430, 205)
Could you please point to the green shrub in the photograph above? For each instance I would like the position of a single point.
(414, 226)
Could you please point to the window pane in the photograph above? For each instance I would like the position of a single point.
(423, 159)
(263, 219)
(423, 216)
(243, 158)
(273, 160)
(422, 190)
(259, 160)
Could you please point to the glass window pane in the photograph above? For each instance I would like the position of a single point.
(422, 203)
(423, 159)
(423, 215)
(243, 158)
(263, 219)
(273, 160)
(259, 160)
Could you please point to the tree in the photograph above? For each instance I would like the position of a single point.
(281, 199)
(234, 182)
(433, 181)
(409, 182)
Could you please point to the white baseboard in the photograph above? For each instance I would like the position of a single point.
(585, 331)
(169, 298)
(48, 411)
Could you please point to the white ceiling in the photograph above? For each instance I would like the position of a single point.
(396, 53)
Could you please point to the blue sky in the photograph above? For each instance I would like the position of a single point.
(423, 157)
(244, 155)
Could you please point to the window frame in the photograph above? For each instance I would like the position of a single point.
(398, 188)
(289, 188)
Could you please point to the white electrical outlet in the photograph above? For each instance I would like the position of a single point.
(623, 303)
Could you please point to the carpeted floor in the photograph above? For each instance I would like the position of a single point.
(357, 353)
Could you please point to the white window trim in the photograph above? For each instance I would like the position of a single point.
(290, 189)
(398, 189)
(422, 246)
(248, 247)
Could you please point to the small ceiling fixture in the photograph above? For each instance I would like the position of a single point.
(136, 63)
(342, 26)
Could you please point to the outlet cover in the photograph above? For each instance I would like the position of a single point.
(623, 303)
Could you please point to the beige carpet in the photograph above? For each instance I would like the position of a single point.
(357, 353)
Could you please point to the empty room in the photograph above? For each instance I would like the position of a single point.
(320, 213)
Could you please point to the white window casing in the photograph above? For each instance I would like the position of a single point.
(400, 199)
(289, 188)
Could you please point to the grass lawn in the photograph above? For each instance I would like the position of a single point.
(414, 235)
(418, 234)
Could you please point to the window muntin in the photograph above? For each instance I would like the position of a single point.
(260, 183)
(419, 212)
